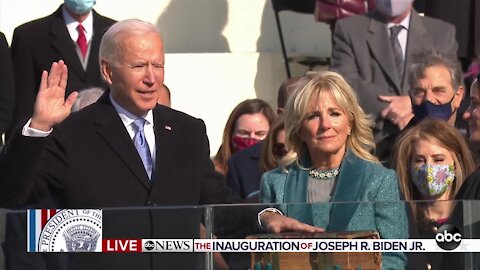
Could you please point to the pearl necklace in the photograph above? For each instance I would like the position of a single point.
(323, 175)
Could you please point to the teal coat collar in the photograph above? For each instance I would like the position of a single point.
(349, 188)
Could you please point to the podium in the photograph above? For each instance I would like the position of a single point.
(317, 260)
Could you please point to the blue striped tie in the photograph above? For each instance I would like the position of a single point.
(142, 145)
(397, 49)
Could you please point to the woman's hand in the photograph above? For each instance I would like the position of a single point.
(276, 223)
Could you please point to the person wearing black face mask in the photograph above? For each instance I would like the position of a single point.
(436, 88)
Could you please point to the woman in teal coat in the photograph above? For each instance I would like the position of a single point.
(329, 160)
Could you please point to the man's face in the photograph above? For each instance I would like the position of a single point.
(436, 87)
(136, 77)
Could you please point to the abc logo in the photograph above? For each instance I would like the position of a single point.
(448, 237)
(149, 245)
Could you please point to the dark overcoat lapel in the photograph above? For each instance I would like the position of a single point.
(166, 139)
(63, 44)
(110, 128)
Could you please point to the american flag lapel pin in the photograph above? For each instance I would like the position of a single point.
(168, 127)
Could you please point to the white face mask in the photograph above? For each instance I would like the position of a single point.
(432, 179)
(393, 8)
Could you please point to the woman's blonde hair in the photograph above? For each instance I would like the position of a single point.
(442, 134)
(360, 141)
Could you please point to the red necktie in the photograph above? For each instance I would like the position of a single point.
(82, 40)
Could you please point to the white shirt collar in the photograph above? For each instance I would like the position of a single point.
(72, 24)
(128, 117)
(127, 120)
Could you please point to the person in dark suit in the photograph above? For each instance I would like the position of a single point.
(244, 173)
(39, 43)
(91, 158)
(376, 64)
(6, 85)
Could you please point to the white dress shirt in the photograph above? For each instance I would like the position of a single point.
(127, 120)
(72, 24)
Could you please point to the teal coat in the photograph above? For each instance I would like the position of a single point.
(372, 186)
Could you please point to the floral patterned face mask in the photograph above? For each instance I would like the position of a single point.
(432, 180)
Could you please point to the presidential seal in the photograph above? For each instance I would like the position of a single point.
(72, 230)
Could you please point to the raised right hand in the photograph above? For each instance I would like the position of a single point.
(277, 223)
(51, 107)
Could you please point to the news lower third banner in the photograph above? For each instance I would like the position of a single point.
(80, 230)
(66, 230)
